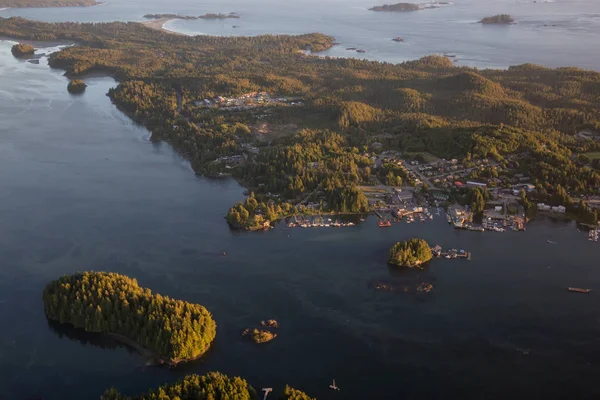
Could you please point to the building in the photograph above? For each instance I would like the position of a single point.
(476, 184)
(543, 207)
(440, 196)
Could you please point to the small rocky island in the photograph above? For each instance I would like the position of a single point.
(179, 16)
(500, 19)
(399, 7)
(264, 334)
(410, 253)
(22, 50)
(76, 86)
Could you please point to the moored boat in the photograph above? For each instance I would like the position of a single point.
(579, 290)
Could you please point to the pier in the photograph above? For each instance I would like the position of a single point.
(438, 252)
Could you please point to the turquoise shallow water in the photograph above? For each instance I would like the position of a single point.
(83, 188)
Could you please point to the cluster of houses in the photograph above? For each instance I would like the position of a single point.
(231, 161)
(246, 101)
(555, 209)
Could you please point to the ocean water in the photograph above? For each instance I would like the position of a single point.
(552, 33)
(82, 187)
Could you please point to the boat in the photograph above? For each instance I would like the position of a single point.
(333, 386)
(384, 224)
(579, 290)
(551, 242)
(398, 39)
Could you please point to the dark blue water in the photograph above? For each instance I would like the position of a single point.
(549, 32)
(83, 188)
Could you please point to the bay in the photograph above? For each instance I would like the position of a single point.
(82, 187)
(554, 33)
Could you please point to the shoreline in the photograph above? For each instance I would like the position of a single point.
(159, 25)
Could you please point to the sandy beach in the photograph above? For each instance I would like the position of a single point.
(159, 24)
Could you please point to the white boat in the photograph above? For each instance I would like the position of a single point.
(333, 386)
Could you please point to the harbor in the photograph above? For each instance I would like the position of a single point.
(317, 222)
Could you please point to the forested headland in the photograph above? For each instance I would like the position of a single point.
(212, 386)
(228, 105)
(101, 302)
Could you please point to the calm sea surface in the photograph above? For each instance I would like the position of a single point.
(83, 188)
(552, 33)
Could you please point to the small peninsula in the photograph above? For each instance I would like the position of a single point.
(213, 385)
(500, 19)
(179, 16)
(46, 3)
(173, 330)
(410, 253)
(76, 86)
(399, 7)
(22, 50)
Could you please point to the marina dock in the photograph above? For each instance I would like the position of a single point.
(438, 252)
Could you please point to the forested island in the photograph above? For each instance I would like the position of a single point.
(76, 86)
(410, 253)
(174, 330)
(500, 19)
(228, 104)
(169, 16)
(179, 16)
(46, 3)
(399, 7)
(22, 50)
(213, 385)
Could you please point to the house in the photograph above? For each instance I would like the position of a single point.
(543, 207)
(458, 184)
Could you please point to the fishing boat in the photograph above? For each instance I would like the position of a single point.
(579, 290)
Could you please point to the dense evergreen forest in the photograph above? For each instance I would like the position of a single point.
(347, 106)
(212, 386)
(174, 330)
(410, 253)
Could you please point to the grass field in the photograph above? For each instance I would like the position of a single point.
(593, 155)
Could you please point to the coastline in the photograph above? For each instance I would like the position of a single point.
(159, 24)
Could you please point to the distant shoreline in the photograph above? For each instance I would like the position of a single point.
(82, 3)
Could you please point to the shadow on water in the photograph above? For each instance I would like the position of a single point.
(107, 342)
(86, 338)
